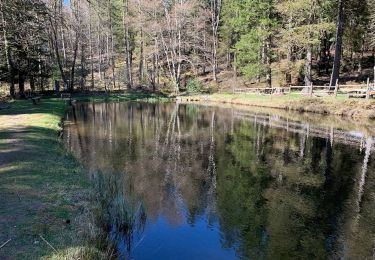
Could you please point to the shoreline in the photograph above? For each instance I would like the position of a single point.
(40, 181)
(353, 108)
(45, 189)
(365, 126)
(46, 192)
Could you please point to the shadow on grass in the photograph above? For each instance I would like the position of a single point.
(43, 189)
(48, 196)
(53, 106)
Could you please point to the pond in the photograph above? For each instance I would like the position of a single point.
(189, 181)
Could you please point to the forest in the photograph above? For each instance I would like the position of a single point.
(171, 45)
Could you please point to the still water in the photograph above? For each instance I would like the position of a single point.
(185, 181)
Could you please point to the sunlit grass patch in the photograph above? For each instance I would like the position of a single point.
(38, 181)
(78, 253)
(44, 190)
(145, 97)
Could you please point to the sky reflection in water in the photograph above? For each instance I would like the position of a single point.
(212, 183)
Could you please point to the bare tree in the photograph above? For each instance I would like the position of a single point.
(339, 39)
(215, 8)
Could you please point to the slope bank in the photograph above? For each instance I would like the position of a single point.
(342, 106)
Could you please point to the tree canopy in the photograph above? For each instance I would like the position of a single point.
(161, 45)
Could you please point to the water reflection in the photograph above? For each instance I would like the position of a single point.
(201, 182)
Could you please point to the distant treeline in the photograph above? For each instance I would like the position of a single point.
(160, 44)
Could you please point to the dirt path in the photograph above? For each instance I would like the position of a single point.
(21, 200)
(40, 187)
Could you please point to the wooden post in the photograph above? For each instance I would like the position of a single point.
(311, 90)
(368, 89)
(336, 87)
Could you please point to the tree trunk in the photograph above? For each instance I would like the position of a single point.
(106, 56)
(41, 79)
(41, 84)
(63, 45)
(32, 84)
(76, 42)
(99, 53)
(214, 59)
(21, 85)
(91, 50)
(79, 34)
(128, 55)
(215, 19)
(12, 90)
(325, 53)
(229, 58)
(71, 84)
(82, 72)
(360, 58)
(234, 70)
(7, 54)
(288, 74)
(113, 64)
(54, 42)
(141, 58)
(153, 71)
(178, 73)
(268, 63)
(99, 44)
(338, 50)
(157, 63)
(308, 64)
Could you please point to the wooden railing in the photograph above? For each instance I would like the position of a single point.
(304, 128)
(359, 90)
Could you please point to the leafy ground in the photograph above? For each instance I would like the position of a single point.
(343, 106)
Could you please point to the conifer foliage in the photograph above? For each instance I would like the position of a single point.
(163, 44)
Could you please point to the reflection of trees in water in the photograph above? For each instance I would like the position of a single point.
(290, 202)
(277, 192)
(357, 230)
(168, 169)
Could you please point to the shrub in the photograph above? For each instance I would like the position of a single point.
(213, 87)
(194, 86)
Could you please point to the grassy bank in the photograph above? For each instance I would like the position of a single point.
(44, 192)
(342, 106)
(127, 96)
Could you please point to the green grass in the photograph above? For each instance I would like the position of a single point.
(136, 96)
(42, 186)
(342, 105)
(287, 97)
(40, 183)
